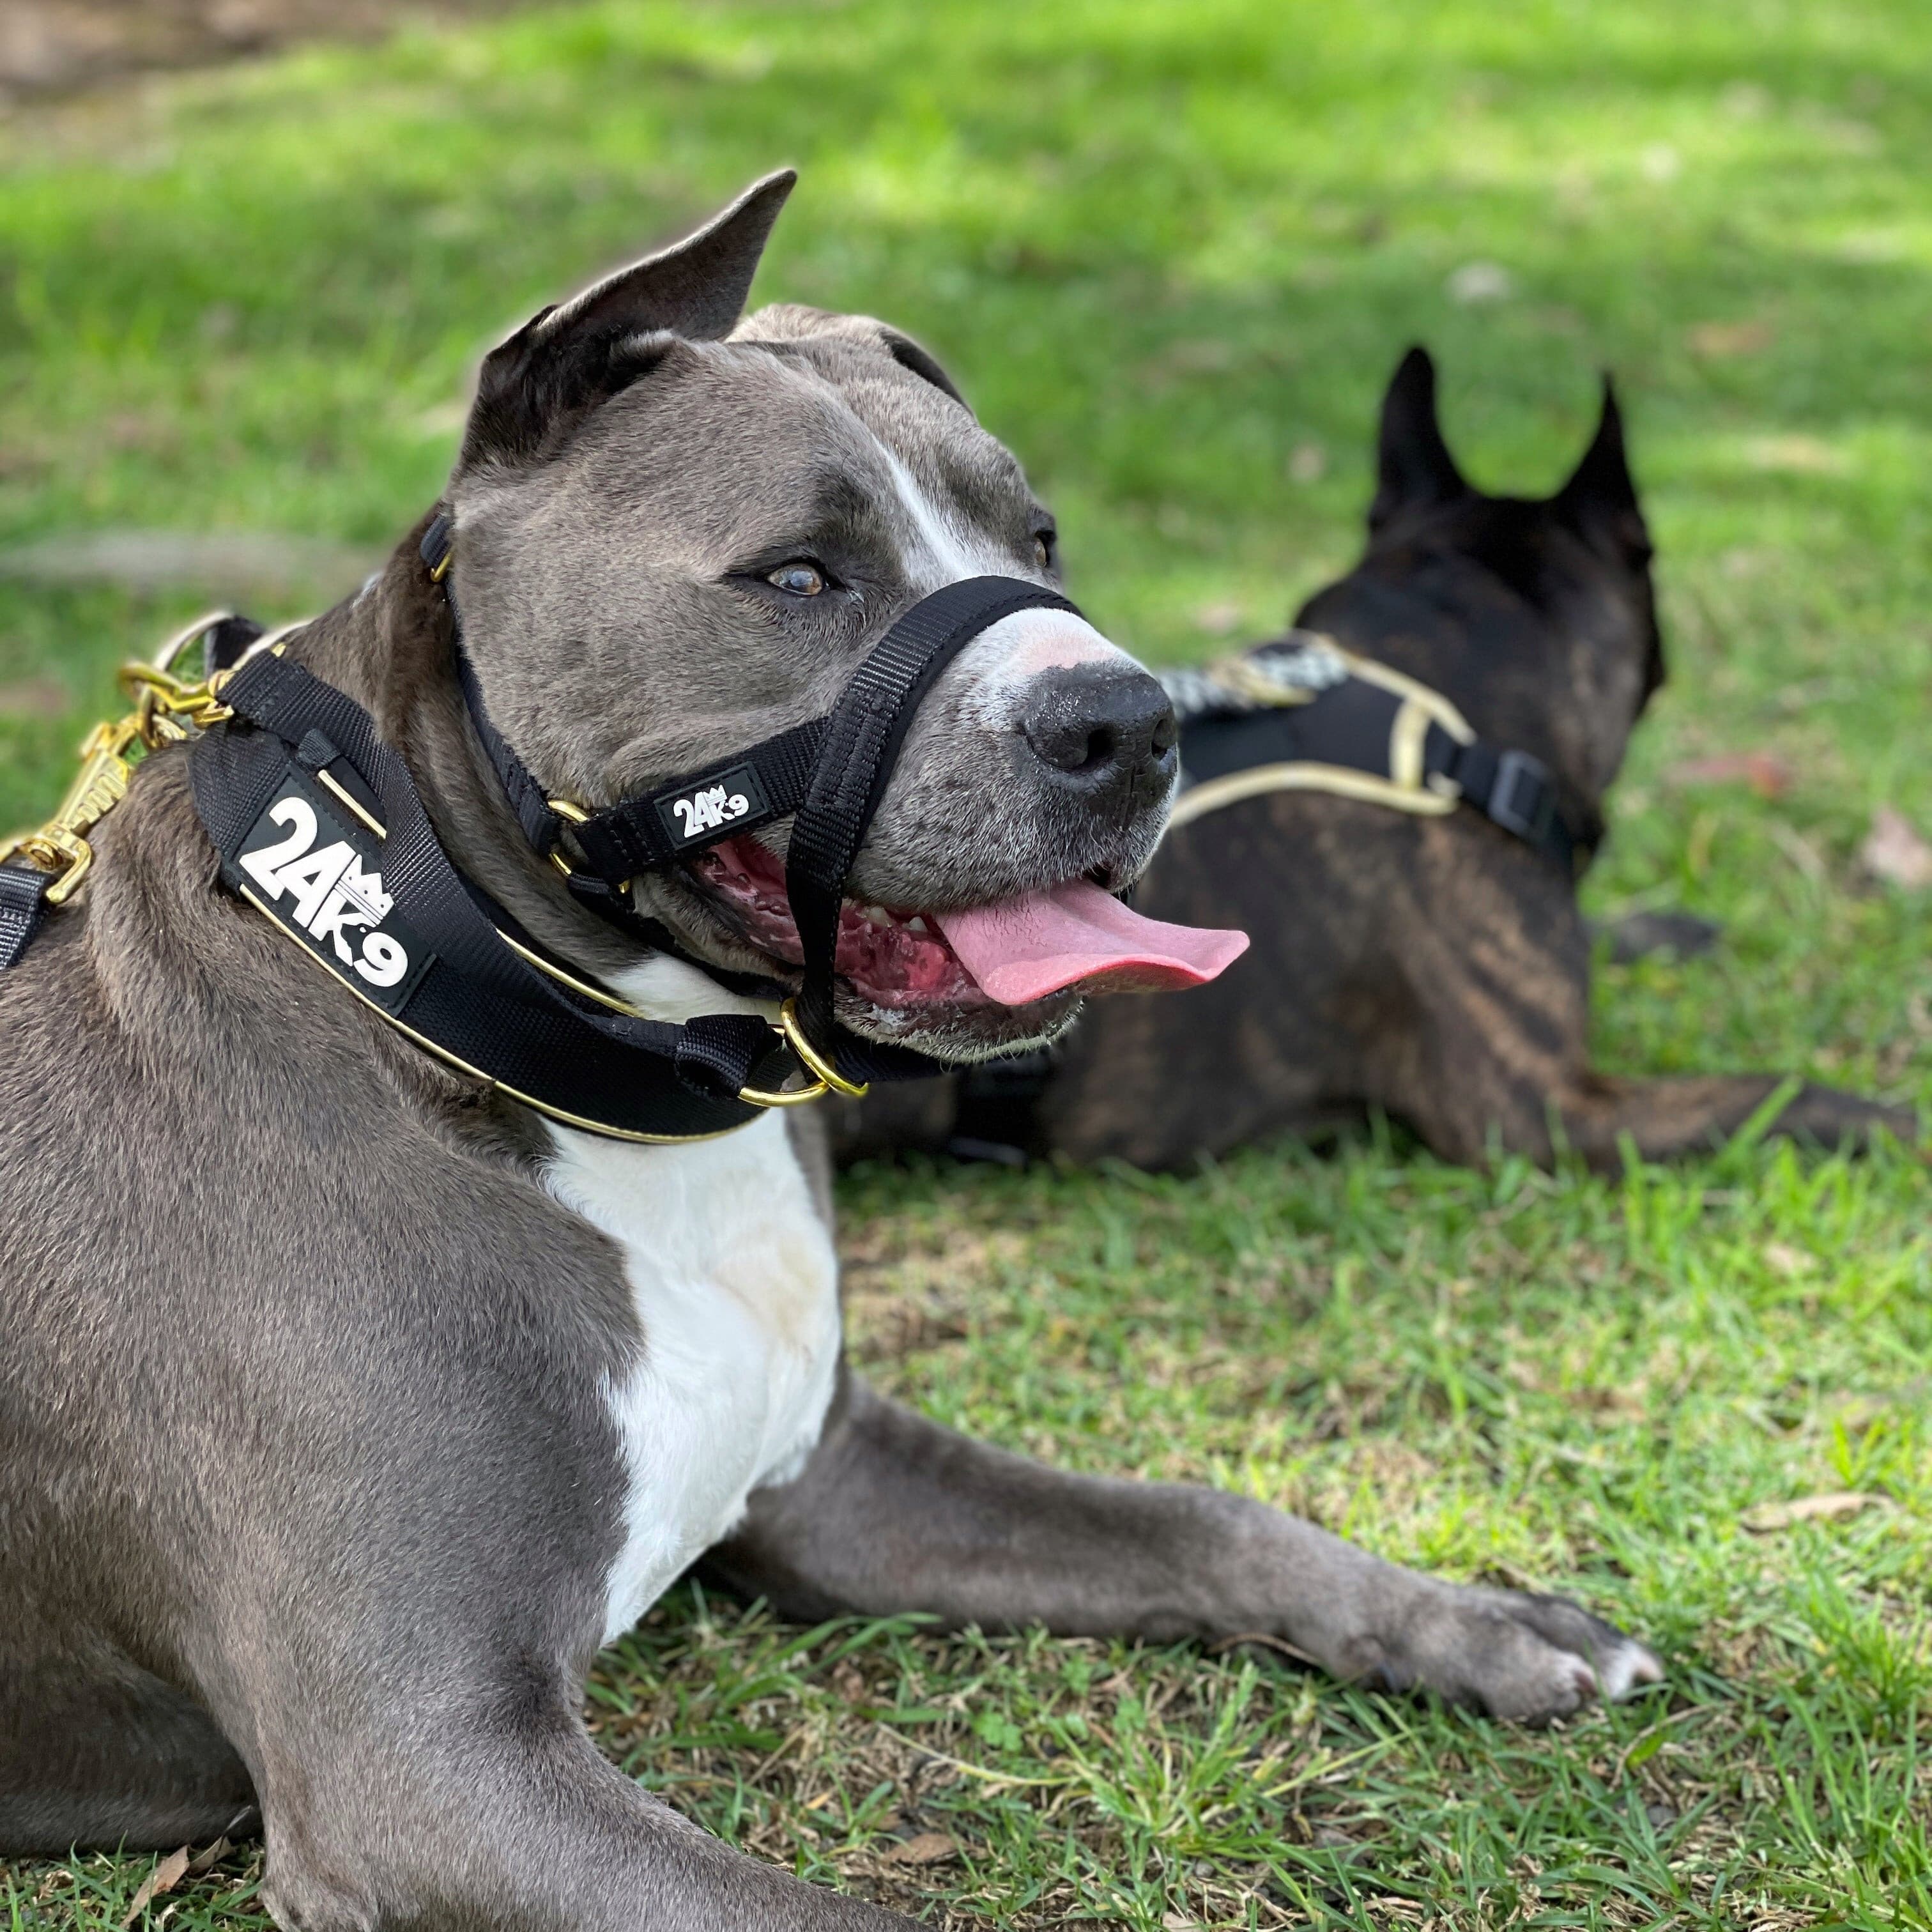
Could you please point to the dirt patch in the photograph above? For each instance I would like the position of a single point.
(60, 46)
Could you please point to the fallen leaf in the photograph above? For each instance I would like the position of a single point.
(207, 1859)
(848, 1682)
(929, 1848)
(164, 1877)
(1481, 282)
(1307, 463)
(1767, 775)
(1807, 1509)
(1894, 852)
(1795, 455)
(1718, 339)
(34, 697)
(1787, 1260)
(1218, 619)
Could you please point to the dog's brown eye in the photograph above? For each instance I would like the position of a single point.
(801, 579)
(1042, 550)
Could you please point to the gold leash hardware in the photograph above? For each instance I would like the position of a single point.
(825, 1078)
(167, 711)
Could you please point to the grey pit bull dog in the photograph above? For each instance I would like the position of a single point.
(347, 1407)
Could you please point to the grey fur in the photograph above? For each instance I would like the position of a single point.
(307, 1492)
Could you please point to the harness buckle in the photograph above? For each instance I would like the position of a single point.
(1522, 800)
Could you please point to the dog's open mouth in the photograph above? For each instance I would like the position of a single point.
(1072, 937)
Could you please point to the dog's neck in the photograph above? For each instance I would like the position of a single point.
(391, 649)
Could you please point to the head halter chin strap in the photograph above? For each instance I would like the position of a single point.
(827, 775)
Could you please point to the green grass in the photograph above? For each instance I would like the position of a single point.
(1166, 246)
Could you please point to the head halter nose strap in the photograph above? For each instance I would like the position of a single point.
(828, 774)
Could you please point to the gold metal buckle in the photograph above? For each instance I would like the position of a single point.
(825, 1078)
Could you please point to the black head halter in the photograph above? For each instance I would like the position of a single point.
(828, 774)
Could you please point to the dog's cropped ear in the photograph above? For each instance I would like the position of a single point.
(1600, 497)
(566, 360)
(1600, 503)
(1414, 470)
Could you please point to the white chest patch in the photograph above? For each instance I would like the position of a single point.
(736, 1285)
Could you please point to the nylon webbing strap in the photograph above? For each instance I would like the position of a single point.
(766, 783)
(541, 825)
(23, 904)
(471, 997)
(863, 733)
(1347, 727)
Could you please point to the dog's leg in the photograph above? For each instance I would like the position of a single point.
(895, 1513)
(1693, 1113)
(478, 1804)
(96, 1752)
(1491, 1049)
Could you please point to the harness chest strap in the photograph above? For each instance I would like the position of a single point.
(1304, 715)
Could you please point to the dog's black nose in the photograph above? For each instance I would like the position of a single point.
(1103, 729)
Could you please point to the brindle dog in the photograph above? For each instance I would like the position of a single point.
(1436, 969)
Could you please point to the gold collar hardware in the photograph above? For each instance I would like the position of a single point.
(167, 711)
(825, 1078)
(571, 814)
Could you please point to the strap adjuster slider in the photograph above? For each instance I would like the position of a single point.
(1522, 800)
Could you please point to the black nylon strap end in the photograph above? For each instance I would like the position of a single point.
(437, 542)
(717, 1054)
(23, 904)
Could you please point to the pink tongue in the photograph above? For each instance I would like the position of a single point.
(1024, 949)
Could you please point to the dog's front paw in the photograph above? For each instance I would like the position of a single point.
(1528, 1658)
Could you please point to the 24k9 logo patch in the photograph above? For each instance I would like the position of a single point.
(315, 875)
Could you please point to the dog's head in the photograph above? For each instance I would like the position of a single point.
(680, 529)
(1536, 616)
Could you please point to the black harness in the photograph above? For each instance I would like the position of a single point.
(1301, 714)
(320, 827)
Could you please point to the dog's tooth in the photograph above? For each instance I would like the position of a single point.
(875, 915)
(915, 924)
